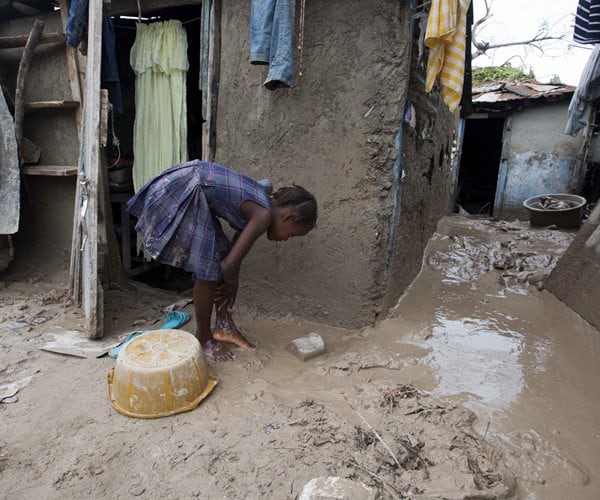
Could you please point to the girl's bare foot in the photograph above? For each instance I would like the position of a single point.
(232, 336)
(217, 352)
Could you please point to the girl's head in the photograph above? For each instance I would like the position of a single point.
(294, 213)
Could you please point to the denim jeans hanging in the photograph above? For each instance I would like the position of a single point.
(272, 40)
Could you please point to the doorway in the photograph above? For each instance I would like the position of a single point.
(120, 151)
(479, 165)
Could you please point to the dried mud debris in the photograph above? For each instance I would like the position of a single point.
(408, 445)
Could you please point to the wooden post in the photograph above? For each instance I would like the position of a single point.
(210, 65)
(214, 68)
(88, 204)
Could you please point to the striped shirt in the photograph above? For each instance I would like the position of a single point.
(587, 22)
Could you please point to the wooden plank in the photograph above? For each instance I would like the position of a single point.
(51, 104)
(214, 74)
(49, 170)
(12, 42)
(89, 177)
(210, 71)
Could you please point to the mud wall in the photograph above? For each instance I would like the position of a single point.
(541, 158)
(332, 133)
(576, 278)
(425, 178)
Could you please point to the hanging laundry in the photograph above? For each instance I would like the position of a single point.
(587, 91)
(272, 40)
(76, 26)
(109, 74)
(587, 22)
(446, 39)
(159, 60)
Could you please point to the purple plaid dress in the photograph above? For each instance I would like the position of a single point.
(178, 215)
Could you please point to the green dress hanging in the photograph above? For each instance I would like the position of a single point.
(159, 60)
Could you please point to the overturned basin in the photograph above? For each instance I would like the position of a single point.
(160, 373)
(569, 217)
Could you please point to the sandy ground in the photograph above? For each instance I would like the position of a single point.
(479, 385)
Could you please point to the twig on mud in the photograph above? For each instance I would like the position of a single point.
(376, 435)
(383, 482)
(486, 430)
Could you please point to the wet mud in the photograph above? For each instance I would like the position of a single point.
(480, 384)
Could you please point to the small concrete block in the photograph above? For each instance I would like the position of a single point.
(321, 488)
(307, 347)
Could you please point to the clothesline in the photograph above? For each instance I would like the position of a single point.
(153, 19)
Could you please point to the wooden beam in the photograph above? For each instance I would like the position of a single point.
(50, 104)
(12, 42)
(129, 7)
(49, 170)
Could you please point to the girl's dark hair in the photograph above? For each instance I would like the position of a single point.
(299, 198)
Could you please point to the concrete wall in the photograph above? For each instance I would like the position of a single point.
(576, 278)
(541, 157)
(334, 133)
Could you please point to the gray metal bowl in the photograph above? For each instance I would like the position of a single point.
(566, 217)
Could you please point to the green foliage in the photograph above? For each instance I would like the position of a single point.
(504, 73)
(555, 80)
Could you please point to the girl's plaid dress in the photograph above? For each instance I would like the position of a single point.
(179, 210)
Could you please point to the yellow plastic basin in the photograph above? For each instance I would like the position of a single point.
(160, 373)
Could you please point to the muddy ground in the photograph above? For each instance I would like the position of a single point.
(479, 385)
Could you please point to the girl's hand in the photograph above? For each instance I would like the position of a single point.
(227, 291)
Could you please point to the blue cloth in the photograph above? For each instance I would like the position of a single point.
(109, 68)
(179, 210)
(76, 22)
(272, 40)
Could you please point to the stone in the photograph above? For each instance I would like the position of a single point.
(307, 347)
(321, 488)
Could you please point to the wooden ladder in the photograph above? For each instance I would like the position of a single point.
(29, 109)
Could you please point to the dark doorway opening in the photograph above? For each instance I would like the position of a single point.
(479, 165)
(120, 151)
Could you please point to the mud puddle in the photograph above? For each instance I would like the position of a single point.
(519, 358)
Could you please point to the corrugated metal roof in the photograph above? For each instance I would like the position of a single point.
(519, 93)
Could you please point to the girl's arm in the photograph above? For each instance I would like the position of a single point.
(259, 219)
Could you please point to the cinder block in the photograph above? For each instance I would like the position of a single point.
(307, 347)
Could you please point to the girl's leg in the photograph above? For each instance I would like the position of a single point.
(226, 331)
(203, 294)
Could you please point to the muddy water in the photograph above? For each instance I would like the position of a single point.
(475, 328)
(523, 361)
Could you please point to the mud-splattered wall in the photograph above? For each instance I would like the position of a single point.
(425, 174)
(333, 133)
(540, 159)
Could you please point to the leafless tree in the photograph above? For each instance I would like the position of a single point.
(538, 40)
